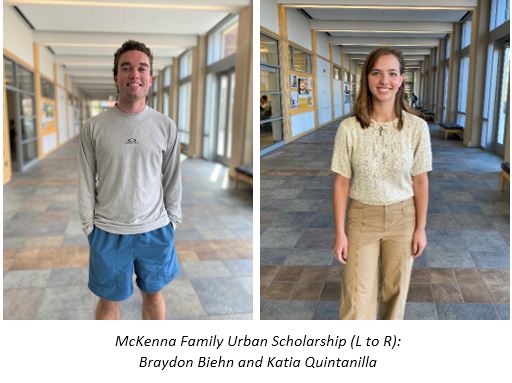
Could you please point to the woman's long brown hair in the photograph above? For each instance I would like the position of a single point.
(364, 101)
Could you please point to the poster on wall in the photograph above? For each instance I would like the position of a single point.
(301, 93)
(48, 120)
(293, 81)
(303, 86)
(294, 99)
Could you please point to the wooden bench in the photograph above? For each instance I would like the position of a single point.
(243, 173)
(505, 174)
(451, 127)
(428, 116)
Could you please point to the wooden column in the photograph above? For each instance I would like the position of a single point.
(197, 96)
(160, 91)
(66, 103)
(453, 83)
(343, 70)
(284, 59)
(242, 138)
(477, 71)
(314, 69)
(37, 106)
(331, 60)
(56, 99)
(7, 146)
(175, 86)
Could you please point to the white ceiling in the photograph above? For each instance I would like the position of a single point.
(83, 35)
(385, 15)
(415, 27)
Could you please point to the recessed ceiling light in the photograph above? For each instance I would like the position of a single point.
(100, 45)
(110, 4)
(378, 45)
(385, 7)
(374, 31)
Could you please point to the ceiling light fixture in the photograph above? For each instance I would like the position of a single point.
(385, 7)
(373, 31)
(378, 45)
(99, 45)
(110, 4)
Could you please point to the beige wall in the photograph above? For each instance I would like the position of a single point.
(46, 62)
(17, 36)
(269, 15)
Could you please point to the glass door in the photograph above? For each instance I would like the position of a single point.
(503, 99)
(223, 137)
(21, 115)
(27, 125)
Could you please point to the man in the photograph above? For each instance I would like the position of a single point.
(414, 102)
(130, 191)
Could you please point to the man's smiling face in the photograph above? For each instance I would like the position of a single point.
(133, 75)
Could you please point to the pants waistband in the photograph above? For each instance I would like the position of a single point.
(392, 207)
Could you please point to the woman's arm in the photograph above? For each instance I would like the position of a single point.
(339, 202)
(420, 187)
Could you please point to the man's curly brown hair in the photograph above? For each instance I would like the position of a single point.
(132, 45)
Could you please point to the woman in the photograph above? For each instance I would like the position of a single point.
(381, 158)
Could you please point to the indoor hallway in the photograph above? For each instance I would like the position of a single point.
(46, 253)
(463, 273)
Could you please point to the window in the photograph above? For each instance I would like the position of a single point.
(165, 109)
(154, 86)
(336, 73)
(445, 91)
(229, 36)
(184, 112)
(153, 98)
(167, 76)
(499, 13)
(166, 90)
(300, 61)
(25, 80)
(186, 65)
(466, 34)
(271, 120)
(22, 114)
(222, 41)
(9, 72)
(463, 91)
(220, 90)
(47, 89)
(269, 54)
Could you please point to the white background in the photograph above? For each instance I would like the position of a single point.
(84, 351)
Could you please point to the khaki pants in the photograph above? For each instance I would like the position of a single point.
(374, 231)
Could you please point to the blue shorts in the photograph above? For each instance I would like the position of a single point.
(115, 257)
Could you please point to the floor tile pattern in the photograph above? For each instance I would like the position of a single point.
(46, 254)
(463, 274)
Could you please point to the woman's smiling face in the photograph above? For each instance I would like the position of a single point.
(384, 79)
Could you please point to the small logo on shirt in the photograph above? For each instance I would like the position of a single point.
(131, 141)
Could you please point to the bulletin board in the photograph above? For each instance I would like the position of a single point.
(48, 117)
(301, 92)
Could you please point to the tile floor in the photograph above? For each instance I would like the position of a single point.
(46, 253)
(463, 274)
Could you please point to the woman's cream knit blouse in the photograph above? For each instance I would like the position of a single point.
(381, 160)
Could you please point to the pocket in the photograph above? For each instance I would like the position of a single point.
(89, 237)
(170, 230)
(409, 210)
(355, 213)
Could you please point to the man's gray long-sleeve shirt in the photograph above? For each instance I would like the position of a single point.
(129, 172)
